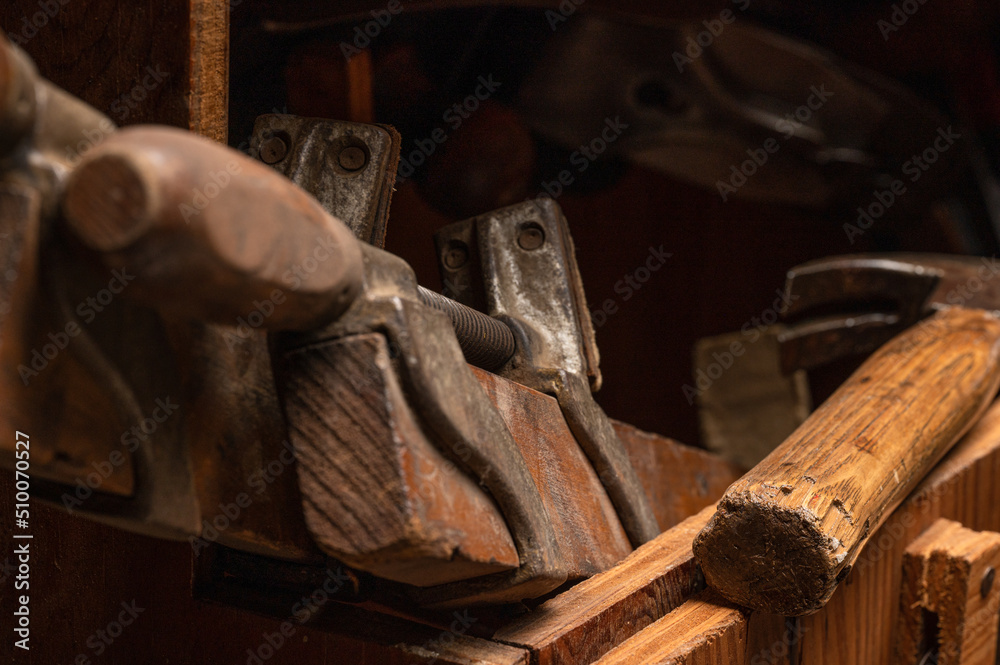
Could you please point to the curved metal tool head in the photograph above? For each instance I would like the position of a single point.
(697, 100)
(851, 305)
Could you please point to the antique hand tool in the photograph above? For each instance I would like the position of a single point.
(434, 490)
(850, 305)
(788, 532)
(129, 200)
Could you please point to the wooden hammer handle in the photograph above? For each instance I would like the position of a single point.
(788, 532)
(210, 234)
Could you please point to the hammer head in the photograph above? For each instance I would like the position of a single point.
(851, 305)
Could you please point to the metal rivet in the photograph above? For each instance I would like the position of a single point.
(531, 237)
(455, 257)
(273, 150)
(352, 158)
(987, 584)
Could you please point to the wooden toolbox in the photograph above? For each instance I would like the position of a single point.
(923, 589)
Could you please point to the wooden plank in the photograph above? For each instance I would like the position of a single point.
(946, 584)
(585, 622)
(208, 74)
(376, 493)
(590, 535)
(746, 405)
(706, 630)
(679, 480)
(164, 62)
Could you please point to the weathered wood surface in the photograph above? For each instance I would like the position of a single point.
(858, 622)
(590, 535)
(679, 480)
(706, 629)
(947, 593)
(165, 62)
(376, 493)
(858, 625)
(855, 628)
(379, 496)
(585, 622)
(787, 533)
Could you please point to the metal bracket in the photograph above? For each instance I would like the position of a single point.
(519, 265)
(348, 167)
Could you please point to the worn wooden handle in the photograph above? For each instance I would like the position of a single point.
(208, 233)
(788, 532)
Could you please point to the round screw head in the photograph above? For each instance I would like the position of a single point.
(987, 583)
(531, 237)
(352, 158)
(455, 257)
(273, 150)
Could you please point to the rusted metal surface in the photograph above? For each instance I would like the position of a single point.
(530, 280)
(850, 305)
(348, 167)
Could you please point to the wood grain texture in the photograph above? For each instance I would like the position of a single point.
(679, 480)
(85, 571)
(379, 496)
(164, 62)
(857, 626)
(376, 494)
(585, 622)
(706, 630)
(208, 76)
(943, 573)
(788, 532)
(591, 536)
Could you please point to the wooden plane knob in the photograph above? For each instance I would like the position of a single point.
(786, 533)
(210, 233)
